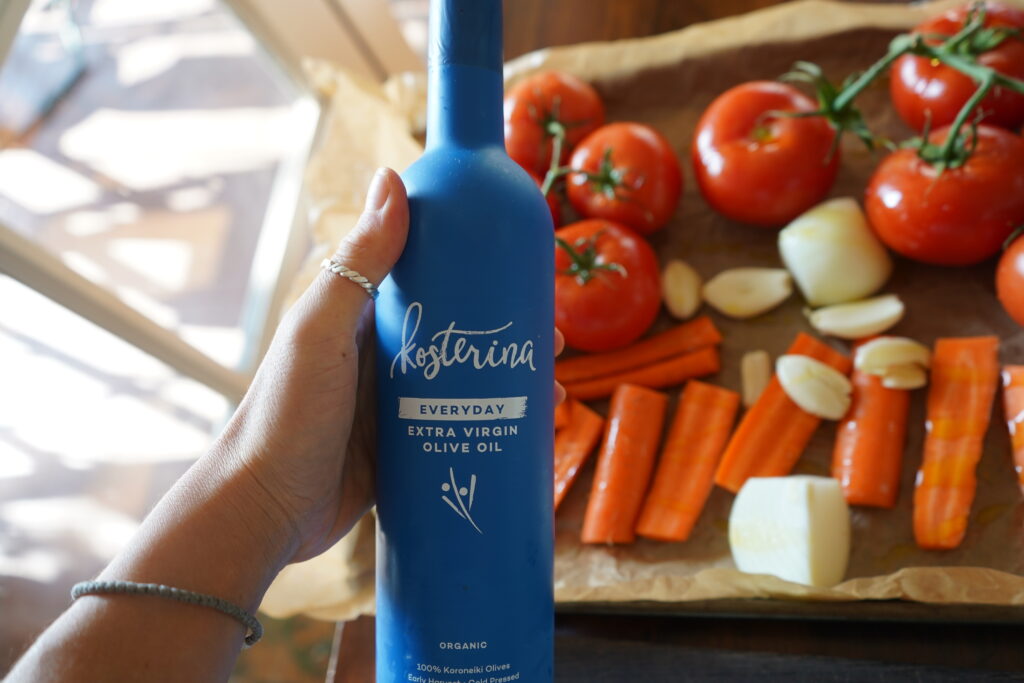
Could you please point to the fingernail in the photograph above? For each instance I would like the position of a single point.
(379, 190)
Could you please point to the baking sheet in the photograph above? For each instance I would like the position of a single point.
(666, 82)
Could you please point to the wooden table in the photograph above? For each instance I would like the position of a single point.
(619, 648)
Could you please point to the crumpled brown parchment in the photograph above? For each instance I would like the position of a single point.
(666, 81)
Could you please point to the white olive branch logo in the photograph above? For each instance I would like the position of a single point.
(463, 495)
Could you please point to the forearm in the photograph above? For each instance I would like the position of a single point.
(211, 534)
(285, 481)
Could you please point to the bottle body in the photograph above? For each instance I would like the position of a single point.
(465, 368)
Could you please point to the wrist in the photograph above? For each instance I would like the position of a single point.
(265, 532)
(212, 534)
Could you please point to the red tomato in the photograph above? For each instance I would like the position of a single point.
(760, 169)
(553, 206)
(629, 175)
(919, 86)
(610, 293)
(1010, 281)
(535, 103)
(954, 218)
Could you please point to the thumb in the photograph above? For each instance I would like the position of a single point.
(370, 248)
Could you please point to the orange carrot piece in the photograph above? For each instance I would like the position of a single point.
(573, 445)
(624, 464)
(682, 483)
(868, 455)
(774, 432)
(563, 415)
(655, 376)
(689, 336)
(1013, 404)
(964, 377)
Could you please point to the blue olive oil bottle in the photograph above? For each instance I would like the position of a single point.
(465, 371)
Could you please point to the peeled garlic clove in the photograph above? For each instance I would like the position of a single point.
(746, 292)
(817, 388)
(756, 372)
(680, 289)
(833, 254)
(910, 376)
(879, 354)
(796, 528)
(858, 319)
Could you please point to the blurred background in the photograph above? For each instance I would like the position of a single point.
(151, 215)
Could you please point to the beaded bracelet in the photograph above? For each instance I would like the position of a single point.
(255, 628)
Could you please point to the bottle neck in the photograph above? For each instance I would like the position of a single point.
(464, 96)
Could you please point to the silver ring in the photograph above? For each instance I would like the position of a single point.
(346, 272)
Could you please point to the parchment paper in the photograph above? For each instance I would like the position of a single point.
(667, 81)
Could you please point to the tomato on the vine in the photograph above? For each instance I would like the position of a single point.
(757, 167)
(957, 216)
(542, 104)
(628, 173)
(924, 91)
(1010, 281)
(607, 289)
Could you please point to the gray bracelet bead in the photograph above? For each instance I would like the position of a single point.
(255, 629)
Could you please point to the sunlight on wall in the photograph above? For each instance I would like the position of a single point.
(95, 399)
(14, 463)
(76, 520)
(85, 223)
(150, 57)
(194, 197)
(192, 143)
(164, 262)
(43, 186)
(119, 13)
(39, 564)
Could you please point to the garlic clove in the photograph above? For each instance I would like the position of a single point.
(817, 388)
(833, 254)
(680, 289)
(746, 292)
(877, 355)
(860, 318)
(909, 376)
(756, 372)
(796, 528)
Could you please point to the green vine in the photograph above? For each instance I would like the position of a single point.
(958, 52)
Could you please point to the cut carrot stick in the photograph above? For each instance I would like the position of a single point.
(964, 378)
(563, 414)
(868, 455)
(774, 432)
(665, 373)
(573, 445)
(689, 336)
(624, 464)
(682, 483)
(1013, 403)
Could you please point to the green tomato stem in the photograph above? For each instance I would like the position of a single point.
(975, 22)
(956, 53)
(850, 92)
(967, 66)
(946, 155)
(585, 259)
(557, 132)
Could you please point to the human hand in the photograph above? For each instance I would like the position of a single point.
(292, 472)
(305, 433)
